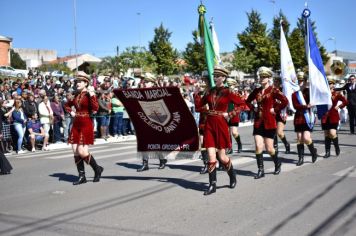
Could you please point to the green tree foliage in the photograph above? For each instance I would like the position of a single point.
(16, 61)
(256, 43)
(297, 48)
(57, 66)
(110, 66)
(165, 56)
(136, 57)
(194, 55)
(243, 60)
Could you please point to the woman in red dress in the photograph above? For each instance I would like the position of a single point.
(216, 130)
(303, 119)
(330, 121)
(269, 102)
(82, 132)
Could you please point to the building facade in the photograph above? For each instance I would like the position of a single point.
(5, 45)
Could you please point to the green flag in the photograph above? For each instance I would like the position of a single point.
(207, 41)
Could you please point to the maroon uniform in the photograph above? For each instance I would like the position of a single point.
(216, 133)
(266, 100)
(300, 123)
(331, 118)
(82, 130)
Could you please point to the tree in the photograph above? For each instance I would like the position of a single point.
(110, 65)
(136, 57)
(16, 61)
(243, 60)
(165, 56)
(194, 55)
(256, 43)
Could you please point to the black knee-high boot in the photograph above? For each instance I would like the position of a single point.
(162, 164)
(144, 166)
(275, 143)
(336, 145)
(239, 144)
(286, 144)
(300, 148)
(313, 152)
(212, 179)
(97, 169)
(230, 171)
(261, 171)
(327, 147)
(277, 164)
(81, 171)
(204, 155)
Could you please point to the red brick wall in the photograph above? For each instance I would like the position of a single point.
(4, 53)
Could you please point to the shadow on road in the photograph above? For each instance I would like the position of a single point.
(319, 229)
(187, 184)
(64, 177)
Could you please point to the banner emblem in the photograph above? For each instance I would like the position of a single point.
(156, 111)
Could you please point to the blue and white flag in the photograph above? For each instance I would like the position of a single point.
(288, 75)
(320, 95)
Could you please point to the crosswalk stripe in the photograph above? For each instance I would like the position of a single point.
(95, 152)
(350, 171)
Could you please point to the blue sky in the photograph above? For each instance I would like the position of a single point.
(104, 24)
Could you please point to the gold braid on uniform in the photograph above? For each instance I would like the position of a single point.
(227, 165)
(211, 166)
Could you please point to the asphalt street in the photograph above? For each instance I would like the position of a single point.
(38, 198)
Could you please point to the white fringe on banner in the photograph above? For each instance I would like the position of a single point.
(174, 155)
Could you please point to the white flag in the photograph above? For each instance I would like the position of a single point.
(216, 46)
(288, 75)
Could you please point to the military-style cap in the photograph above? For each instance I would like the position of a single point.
(82, 76)
(300, 75)
(148, 77)
(264, 72)
(231, 82)
(331, 80)
(220, 71)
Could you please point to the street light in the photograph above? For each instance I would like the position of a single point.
(329, 39)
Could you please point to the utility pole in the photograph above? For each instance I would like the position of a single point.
(75, 35)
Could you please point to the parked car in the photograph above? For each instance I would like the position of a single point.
(57, 73)
(9, 71)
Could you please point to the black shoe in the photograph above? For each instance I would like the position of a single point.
(144, 167)
(211, 189)
(260, 174)
(162, 164)
(277, 168)
(97, 174)
(81, 180)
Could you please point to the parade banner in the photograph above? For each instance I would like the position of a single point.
(161, 119)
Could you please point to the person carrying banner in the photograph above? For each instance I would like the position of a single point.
(82, 133)
(235, 120)
(303, 119)
(216, 133)
(269, 102)
(149, 81)
(281, 118)
(350, 87)
(330, 121)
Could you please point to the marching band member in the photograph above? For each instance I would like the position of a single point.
(330, 121)
(82, 132)
(269, 102)
(281, 118)
(149, 81)
(303, 119)
(235, 120)
(216, 133)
